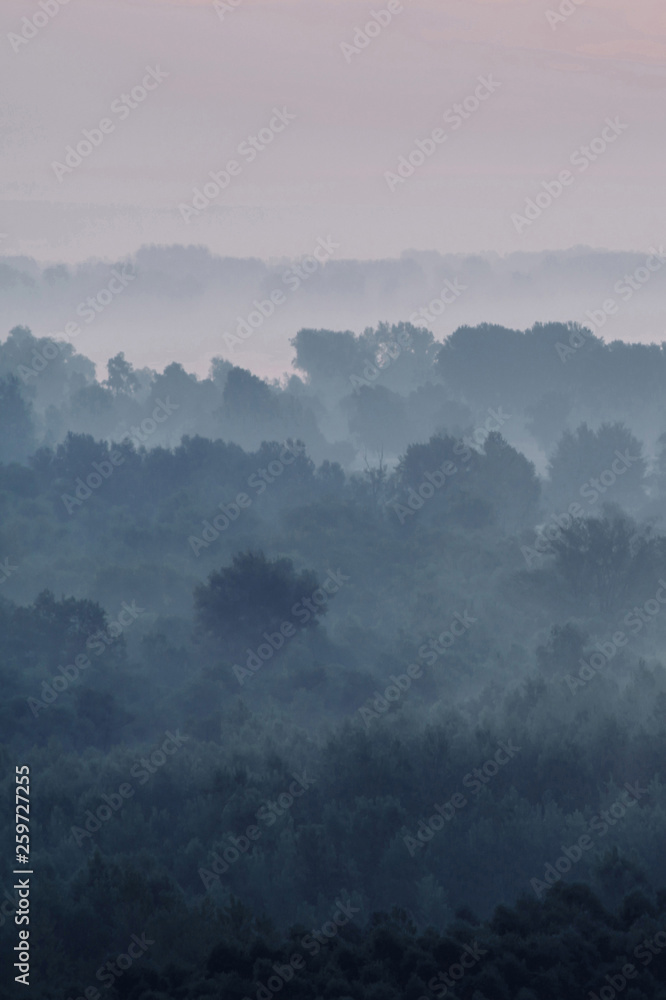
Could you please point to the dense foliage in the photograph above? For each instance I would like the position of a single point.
(277, 653)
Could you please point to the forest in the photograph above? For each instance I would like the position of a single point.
(346, 685)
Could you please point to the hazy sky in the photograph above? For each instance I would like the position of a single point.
(355, 115)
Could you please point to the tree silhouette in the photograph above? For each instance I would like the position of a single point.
(253, 595)
(17, 440)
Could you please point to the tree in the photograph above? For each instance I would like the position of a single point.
(376, 477)
(590, 466)
(379, 417)
(324, 355)
(606, 561)
(75, 457)
(121, 375)
(255, 595)
(563, 651)
(420, 460)
(471, 485)
(17, 437)
(507, 480)
(546, 418)
(52, 630)
(245, 396)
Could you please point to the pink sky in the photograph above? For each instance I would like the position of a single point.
(324, 175)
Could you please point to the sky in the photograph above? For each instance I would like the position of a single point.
(347, 117)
